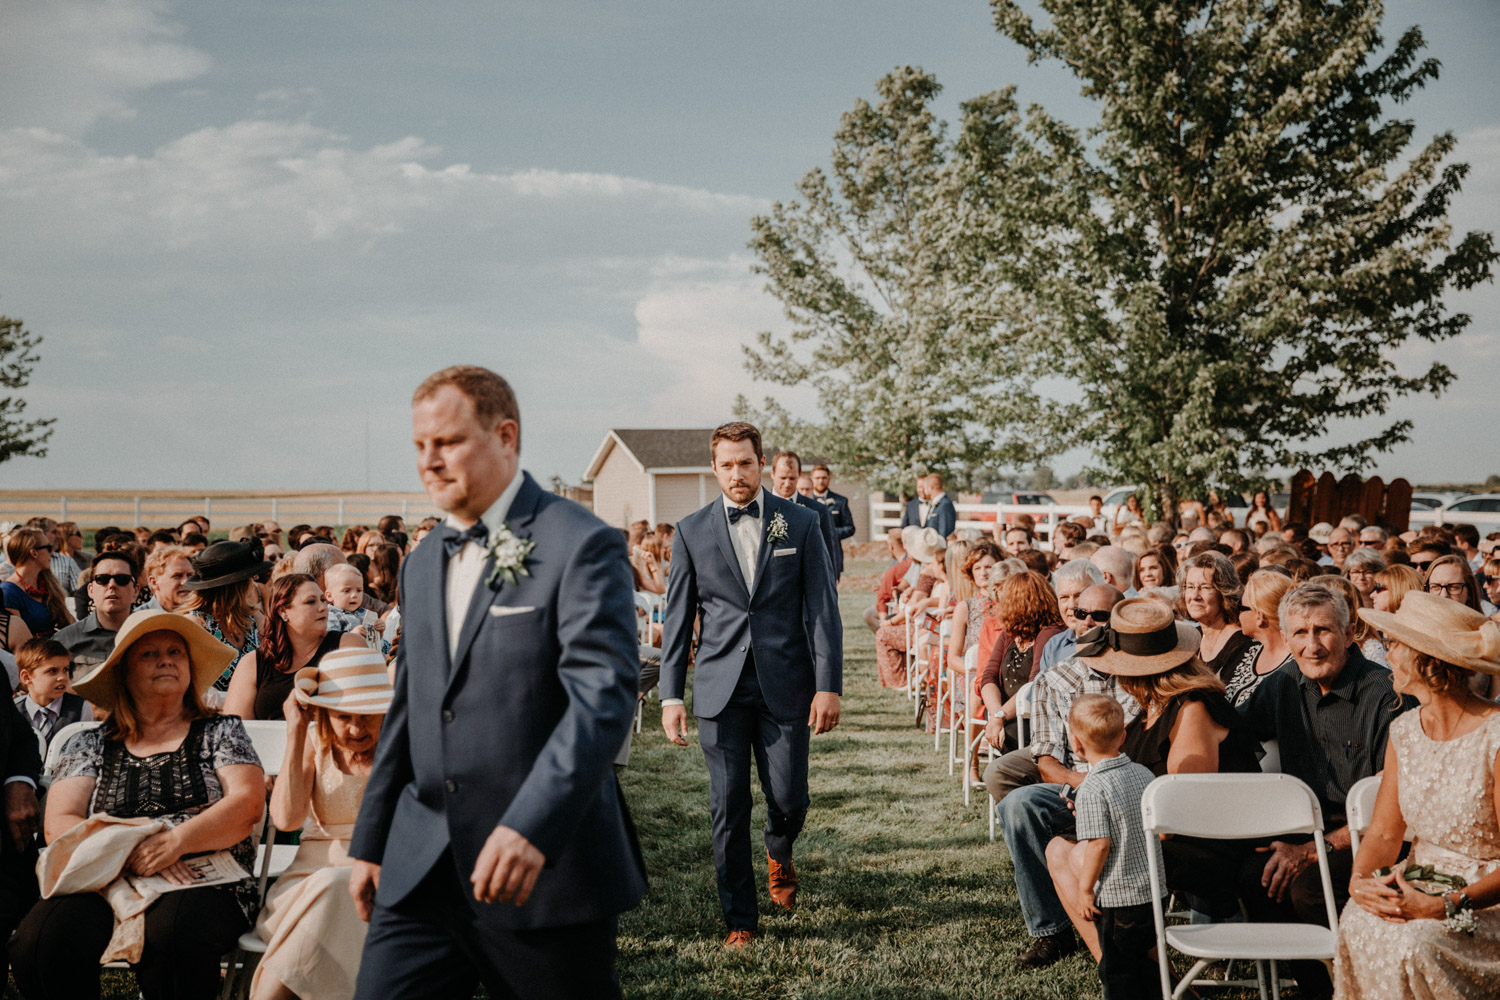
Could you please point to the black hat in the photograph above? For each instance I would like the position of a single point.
(226, 562)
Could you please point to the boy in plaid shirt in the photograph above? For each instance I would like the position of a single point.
(1108, 808)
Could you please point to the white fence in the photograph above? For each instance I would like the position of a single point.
(224, 511)
(886, 514)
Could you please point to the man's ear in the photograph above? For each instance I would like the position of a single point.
(509, 433)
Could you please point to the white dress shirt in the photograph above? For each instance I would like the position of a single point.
(744, 535)
(466, 566)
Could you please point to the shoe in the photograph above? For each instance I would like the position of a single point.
(738, 940)
(1044, 951)
(783, 883)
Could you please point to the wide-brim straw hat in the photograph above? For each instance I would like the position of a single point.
(1447, 630)
(226, 562)
(926, 545)
(347, 680)
(1142, 639)
(207, 655)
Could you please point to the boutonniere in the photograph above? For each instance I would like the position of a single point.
(509, 552)
(777, 532)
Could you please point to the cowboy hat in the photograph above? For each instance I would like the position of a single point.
(207, 655)
(1441, 628)
(1142, 639)
(926, 545)
(347, 680)
(226, 562)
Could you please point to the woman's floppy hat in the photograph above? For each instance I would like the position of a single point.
(207, 655)
(1452, 632)
(347, 680)
(1142, 639)
(226, 562)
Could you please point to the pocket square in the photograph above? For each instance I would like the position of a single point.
(501, 611)
(776, 553)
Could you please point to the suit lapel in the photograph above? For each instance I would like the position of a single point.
(522, 509)
(720, 529)
(764, 555)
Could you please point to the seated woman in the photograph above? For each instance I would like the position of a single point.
(1362, 566)
(1210, 595)
(1392, 584)
(1185, 727)
(165, 756)
(1261, 621)
(296, 636)
(313, 934)
(223, 598)
(1440, 789)
(31, 592)
(1026, 607)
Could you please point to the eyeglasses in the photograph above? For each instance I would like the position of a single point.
(1459, 589)
(1099, 616)
(118, 579)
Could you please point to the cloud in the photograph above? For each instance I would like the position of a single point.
(111, 49)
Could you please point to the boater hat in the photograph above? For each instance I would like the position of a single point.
(207, 655)
(1452, 632)
(226, 562)
(1142, 639)
(347, 680)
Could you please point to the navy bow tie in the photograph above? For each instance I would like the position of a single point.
(751, 509)
(454, 540)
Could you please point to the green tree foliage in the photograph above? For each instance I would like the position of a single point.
(18, 356)
(895, 323)
(1244, 239)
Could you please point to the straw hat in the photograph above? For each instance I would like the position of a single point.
(1450, 631)
(1142, 638)
(1320, 532)
(347, 680)
(207, 655)
(926, 545)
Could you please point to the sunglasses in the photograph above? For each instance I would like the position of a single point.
(118, 579)
(42, 548)
(1422, 566)
(1099, 616)
(1379, 588)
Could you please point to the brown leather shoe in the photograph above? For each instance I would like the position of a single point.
(783, 883)
(738, 940)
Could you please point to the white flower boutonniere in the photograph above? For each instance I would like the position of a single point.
(509, 552)
(777, 532)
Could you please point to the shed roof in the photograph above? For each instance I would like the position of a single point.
(654, 448)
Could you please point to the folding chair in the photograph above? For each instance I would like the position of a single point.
(1235, 807)
(1360, 805)
(1270, 761)
(1023, 713)
(944, 684)
(54, 751)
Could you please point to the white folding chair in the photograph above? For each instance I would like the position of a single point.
(944, 684)
(1270, 761)
(1235, 807)
(1360, 806)
(1023, 714)
(643, 620)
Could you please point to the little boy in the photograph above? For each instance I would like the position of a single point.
(46, 669)
(1115, 845)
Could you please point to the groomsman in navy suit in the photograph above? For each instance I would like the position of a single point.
(838, 509)
(769, 667)
(492, 844)
(786, 469)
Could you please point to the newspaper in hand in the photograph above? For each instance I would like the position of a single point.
(217, 868)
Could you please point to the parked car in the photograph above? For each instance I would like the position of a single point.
(1029, 497)
(1479, 509)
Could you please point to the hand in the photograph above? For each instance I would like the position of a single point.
(1086, 903)
(507, 868)
(994, 730)
(364, 882)
(825, 712)
(155, 853)
(674, 723)
(22, 813)
(1287, 861)
(298, 717)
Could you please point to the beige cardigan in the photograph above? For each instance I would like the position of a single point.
(91, 858)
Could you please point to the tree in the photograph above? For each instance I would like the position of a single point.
(1242, 241)
(893, 325)
(19, 437)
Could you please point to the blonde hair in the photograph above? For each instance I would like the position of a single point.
(1263, 593)
(157, 562)
(960, 584)
(1398, 580)
(1097, 720)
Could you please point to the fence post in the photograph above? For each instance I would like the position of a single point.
(274, 515)
(137, 510)
(64, 501)
(208, 508)
(342, 522)
(403, 509)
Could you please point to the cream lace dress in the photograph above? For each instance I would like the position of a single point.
(1448, 802)
(313, 935)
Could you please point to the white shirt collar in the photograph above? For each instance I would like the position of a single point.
(54, 706)
(937, 498)
(499, 510)
(728, 503)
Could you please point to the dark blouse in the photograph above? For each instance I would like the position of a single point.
(272, 686)
(1149, 746)
(1223, 663)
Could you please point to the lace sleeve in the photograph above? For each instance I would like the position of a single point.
(81, 755)
(229, 743)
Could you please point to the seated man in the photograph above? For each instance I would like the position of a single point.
(112, 588)
(1071, 580)
(1032, 811)
(1329, 712)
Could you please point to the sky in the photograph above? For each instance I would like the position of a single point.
(246, 231)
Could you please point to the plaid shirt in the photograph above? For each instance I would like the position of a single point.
(1052, 697)
(1109, 805)
(66, 570)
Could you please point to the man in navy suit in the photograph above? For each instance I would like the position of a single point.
(915, 511)
(942, 517)
(492, 844)
(756, 569)
(838, 508)
(786, 470)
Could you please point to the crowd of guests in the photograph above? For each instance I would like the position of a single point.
(167, 642)
(1152, 650)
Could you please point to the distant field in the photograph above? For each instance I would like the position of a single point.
(226, 508)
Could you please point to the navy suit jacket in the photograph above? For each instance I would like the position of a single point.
(943, 518)
(790, 618)
(520, 729)
(825, 523)
(837, 506)
(912, 513)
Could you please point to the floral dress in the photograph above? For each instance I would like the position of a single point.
(250, 645)
(173, 786)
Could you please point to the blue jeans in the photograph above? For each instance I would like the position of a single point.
(1030, 817)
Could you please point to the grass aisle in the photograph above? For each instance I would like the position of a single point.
(903, 896)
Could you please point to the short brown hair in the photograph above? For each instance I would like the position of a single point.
(1440, 677)
(1097, 720)
(492, 397)
(792, 455)
(34, 652)
(820, 465)
(736, 430)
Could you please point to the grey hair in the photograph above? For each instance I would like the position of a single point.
(1118, 562)
(1367, 559)
(1076, 569)
(1308, 597)
(317, 558)
(1005, 568)
(1221, 574)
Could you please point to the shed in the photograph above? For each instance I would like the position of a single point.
(656, 474)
